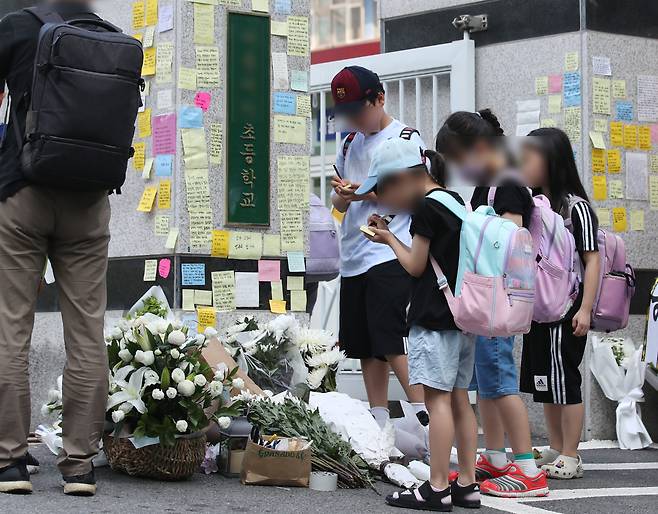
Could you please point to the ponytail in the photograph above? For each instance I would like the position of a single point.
(463, 129)
(437, 167)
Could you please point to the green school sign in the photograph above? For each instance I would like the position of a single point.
(248, 120)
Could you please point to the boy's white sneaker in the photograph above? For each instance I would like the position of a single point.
(564, 468)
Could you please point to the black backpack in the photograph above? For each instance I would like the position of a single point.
(83, 105)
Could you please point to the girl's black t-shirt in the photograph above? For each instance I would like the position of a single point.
(510, 197)
(431, 219)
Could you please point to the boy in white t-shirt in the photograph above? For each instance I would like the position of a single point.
(375, 289)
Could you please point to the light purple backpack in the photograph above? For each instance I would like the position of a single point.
(324, 253)
(556, 284)
(616, 284)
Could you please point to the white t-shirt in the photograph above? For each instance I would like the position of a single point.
(358, 254)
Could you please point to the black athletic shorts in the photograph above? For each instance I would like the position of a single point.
(550, 361)
(373, 312)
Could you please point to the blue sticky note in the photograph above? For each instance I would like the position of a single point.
(571, 88)
(285, 103)
(624, 110)
(296, 263)
(193, 274)
(164, 165)
(190, 116)
(282, 6)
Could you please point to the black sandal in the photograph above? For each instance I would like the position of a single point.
(422, 498)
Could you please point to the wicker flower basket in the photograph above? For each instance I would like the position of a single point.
(178, 462)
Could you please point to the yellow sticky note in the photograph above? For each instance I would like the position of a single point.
(207, 317)
(187, 78)
(644, 137)
(148, 197)
(272, 245)
(220, 242)
(279, 28)
(601, 95)
(148, 68)
(541, 85)
(144, 123)
(138, 15)
(598, 160)
(290, 129)
(188, 299)
(245, 245)
(277, 290)
(164, 194)
(616, 133)
(195, 149)
(139, 157)
(630, 136)
(571, 61)
(151, 12)
(604, 217)
(554, 104)
(294, 283)
(653, 192)
(298, 41)
(597, 139)
(619, 88)
(637, 220)
(298, 301)
(204, 24)
(601, 125)
(653, 163)
(260, 5)
(303, 105)
(600, 187)
(619, 219)
(616, 189)
(278, 306)
(614, 161)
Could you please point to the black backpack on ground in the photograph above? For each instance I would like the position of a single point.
(83, 105)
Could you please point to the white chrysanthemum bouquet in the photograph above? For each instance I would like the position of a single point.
(322, 356)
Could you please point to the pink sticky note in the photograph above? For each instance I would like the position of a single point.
(164, 267)
(164, 134)
(269, 271)
(654, 134)
(202, 99)
(555, 83)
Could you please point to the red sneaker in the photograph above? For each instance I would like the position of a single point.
(516, 484)
(484, 470)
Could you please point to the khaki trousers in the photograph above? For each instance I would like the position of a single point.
(72, 229)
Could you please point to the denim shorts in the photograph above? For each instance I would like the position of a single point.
(495, 373)
(440, 359)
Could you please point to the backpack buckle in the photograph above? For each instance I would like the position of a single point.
(442, 282)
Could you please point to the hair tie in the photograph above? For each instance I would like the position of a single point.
(478, 113)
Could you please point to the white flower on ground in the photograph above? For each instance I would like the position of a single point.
(177, 338)
(130, 392)
(181, 425)
(125, 355)
(328, 358)
(314, 340)
(238, 383)
(157, 394)
(118, 415)
(224, 422)
(316, 376)
(216, 388)
(175, 354)
(116, 333)
(210, 332)
(146, 358)
(158, 352)
(183, 365)
(151, 378)
(268, 393)
(186, 388)
(200, 380)
(178, 375)
(161, 327)
(171, 393)
(222, 370)
(283, 324)
(241, 327)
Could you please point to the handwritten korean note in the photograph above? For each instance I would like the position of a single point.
(653, 192)
(194, 148)
(615, 189)
(164, 134)
(598, 160)
(555, 83)
(148, 197)
(164, 165)
(197, 190)
(193, 274)
(290, 129)
(292, 230)
(297, 264)
(164, 64)
(164, 194)
(140, 156)
(207, 317)
(284, 103)
(203, 99)
(138, 10)
(630, 136)
(269, 271)
(619, 219)
(299, 80)
(161, 225)
(293, 182)
(187, 78)
(247, 290)
(616, 133)
(554, 104)
(604, 217)
(571, 89)
(600, 187)
(571, 60)
(601, 95)
(653, 163)
(280, 71)
(541, 85)
(204, 24)
(279, 28)
(298, 40)
(278, 306)
(220, 243)
(202, 297)
(637, 220)
(150, 269)
(600, 125)
(624, 110)
(647, 98)
(246, 245)
(166, 17)
(644, 137)
(216, 143)
(298, 301)
(295, 283)
(149, 66)
(188, 300)
(200, 229)
(614, 161)
(637, 172)
(151, 12)
(223, 290)
(144, 123)
(207, 66)
(619, 89)
(304, 105)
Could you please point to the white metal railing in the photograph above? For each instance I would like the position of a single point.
(422, 86)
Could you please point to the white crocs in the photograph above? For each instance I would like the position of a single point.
(564, 468)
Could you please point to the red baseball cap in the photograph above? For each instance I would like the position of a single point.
(352, 86)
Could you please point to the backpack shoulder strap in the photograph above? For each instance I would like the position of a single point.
(45, 14)
(570, 204)
(449, 202)
(407, 132)
(348, 141)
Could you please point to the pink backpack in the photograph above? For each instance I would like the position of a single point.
(616, 284)
(553, 244)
